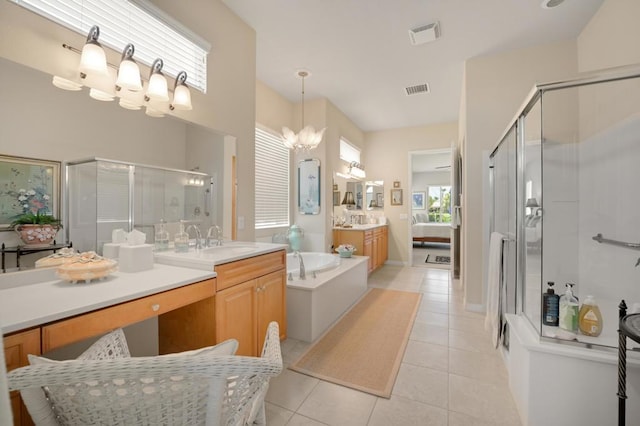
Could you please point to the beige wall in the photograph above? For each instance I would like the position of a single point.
(228, 106)
(611, 38)
(495, 87)
(386, 157)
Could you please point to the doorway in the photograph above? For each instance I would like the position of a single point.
(431, 209)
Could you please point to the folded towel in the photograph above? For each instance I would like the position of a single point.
(494, 288)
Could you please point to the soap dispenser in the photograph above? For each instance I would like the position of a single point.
(161, 238)
(181, 240)
(550, 306)
(590, 318)
(568, 310)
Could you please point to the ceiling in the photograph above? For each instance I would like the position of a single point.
(360, 58)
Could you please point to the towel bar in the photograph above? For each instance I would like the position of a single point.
(599, 238)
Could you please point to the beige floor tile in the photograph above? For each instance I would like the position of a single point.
(289, 389)
(427, 355)
(456, 307)
(481, 400)
(277, 416)
(399, 411)
(298, 420)
(338, 405)
(481, 366)
(435, 297)
(431, 306)
(430, 333)
(422, 384)
(468, 324)
(459, 419)
(470, 341)
(433, 318)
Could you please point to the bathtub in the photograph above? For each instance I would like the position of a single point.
(313, 262)
(315, 303)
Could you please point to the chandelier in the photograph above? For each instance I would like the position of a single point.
(308, 138)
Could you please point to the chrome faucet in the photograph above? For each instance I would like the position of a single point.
(214, 236)
(303, 275)
(198, 235)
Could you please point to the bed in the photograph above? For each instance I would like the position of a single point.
(431, 232)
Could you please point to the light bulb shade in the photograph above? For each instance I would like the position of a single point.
(157, 89)
(152, 112)
(128, 104)
(93, 58)
(101, 85)
(348, 199)
(66, 84)
(99, 95)
(128, 71)
(532, 202)
(181, 93)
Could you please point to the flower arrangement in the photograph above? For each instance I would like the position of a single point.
(35, 208)
(346, 250)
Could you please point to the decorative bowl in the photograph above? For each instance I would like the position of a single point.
(345, 250)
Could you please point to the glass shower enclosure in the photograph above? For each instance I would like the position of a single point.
(564, 181)
(105, 195)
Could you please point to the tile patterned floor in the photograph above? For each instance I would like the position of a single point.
(450, 374)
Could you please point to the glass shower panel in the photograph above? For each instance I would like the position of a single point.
(532, 218)
(504, 210)
(590, 181)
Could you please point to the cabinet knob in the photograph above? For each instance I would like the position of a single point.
(155, 307)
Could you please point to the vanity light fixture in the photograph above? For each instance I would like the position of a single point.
(128, 71)
(357, 170)
(308, 138)
(157, 90)
(93, 58)
(181, 93)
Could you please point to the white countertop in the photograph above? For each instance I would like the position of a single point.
(362, 227)
(46, 298)
(207, 258)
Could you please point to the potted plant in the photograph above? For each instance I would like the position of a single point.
(35, 225)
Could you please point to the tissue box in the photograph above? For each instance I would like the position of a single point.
(135, 258)
(111, 250)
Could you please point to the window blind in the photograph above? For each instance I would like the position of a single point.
(153, 33)
(272, 181)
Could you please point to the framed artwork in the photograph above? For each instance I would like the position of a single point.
(396, 184)
(336, 198)
(380, 199)
(335, 186)
(418, 200)
(396, 197)
(309, 186)
(28, 185)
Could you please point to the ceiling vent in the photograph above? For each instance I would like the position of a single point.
(417, 89)
(424, 34)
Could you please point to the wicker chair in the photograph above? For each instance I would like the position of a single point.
(190, 388)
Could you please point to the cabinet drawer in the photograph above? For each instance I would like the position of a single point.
(233, 273)
(368, 234)
(101, 321)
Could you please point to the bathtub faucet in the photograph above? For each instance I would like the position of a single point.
(198, 235)
(303, 275)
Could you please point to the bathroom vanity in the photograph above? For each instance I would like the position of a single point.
(236, 295)
(369, 240)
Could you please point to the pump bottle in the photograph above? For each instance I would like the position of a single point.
(568, 311)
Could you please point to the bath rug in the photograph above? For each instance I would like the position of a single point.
(438, 259)
(364, 348)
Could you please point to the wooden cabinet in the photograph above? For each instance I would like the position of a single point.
(252, 293)
(370, 242)
(16, 348)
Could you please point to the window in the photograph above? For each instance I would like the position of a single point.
(439, 203)
(349, 152)
(153, 33)
(272, 181)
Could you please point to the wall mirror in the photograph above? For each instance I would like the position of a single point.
(374, 194)
(309, 186)
(356, 188)
(205, 149)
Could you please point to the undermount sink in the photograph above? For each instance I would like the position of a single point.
(230, 248)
